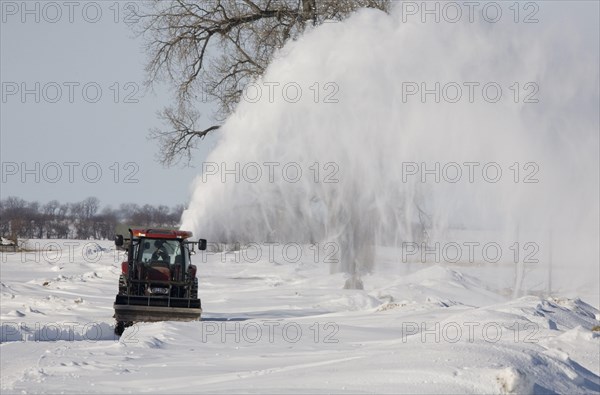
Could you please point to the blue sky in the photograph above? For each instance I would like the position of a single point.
(93, 113)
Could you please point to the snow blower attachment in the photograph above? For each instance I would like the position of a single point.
(158, 281)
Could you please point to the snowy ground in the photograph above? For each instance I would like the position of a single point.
(274, 326)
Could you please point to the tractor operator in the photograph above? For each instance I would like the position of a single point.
(160, 253)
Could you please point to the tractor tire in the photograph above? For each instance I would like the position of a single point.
(119, 328)
(122, 285)
(194, 290)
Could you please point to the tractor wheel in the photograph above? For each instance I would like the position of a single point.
(122, 285)
(194, 291)
(119, 328)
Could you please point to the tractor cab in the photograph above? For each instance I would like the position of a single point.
(158, 281)
(168, 259)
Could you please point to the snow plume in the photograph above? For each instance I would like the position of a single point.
(383, 129)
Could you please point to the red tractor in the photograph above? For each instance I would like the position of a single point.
(158, 281)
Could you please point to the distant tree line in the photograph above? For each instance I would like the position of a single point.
(80, 220)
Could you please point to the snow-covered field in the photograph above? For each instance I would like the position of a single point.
(272, 325)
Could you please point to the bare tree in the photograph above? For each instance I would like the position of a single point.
(13, 217)
(20, 218)
(175, 214)
(215, 48)
(90, 207)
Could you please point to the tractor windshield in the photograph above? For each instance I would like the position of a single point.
(161, 250)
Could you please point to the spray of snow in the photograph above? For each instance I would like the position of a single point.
(358, 141)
